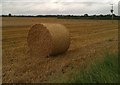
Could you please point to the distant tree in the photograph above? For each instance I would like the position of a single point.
(86, 15)
(10, 15)
(94, 15)
(101, 15)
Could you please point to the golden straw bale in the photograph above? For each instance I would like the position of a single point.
(48, 39)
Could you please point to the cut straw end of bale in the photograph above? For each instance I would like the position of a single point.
(48, 39)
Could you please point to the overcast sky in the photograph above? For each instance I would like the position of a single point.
(76, 7)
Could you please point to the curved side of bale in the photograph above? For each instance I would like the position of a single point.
(48, 39)
(60, 38)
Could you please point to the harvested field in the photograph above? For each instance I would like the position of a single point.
(89, 40)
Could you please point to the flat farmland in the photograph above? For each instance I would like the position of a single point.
(90, 39)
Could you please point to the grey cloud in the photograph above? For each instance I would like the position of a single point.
(115, 1)
(36, 8)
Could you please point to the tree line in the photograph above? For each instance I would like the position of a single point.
(85, 16)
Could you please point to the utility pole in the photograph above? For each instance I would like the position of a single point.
(112, 10)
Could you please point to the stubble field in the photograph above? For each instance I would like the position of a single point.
(90, 39)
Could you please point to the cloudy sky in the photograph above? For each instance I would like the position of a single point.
(75, 7)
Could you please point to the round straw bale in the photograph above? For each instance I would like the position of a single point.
(48, 39)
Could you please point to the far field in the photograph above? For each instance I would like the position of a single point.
(90, 39)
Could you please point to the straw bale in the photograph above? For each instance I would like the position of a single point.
(48, 39)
